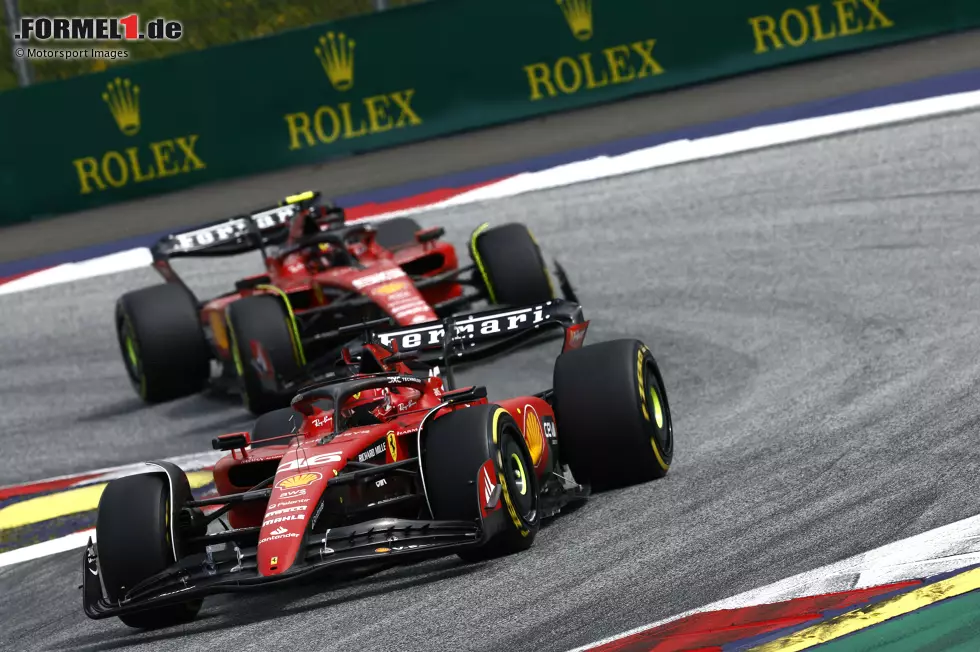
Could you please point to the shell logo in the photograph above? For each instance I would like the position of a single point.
(533, 434)
(299, 480)
(390, 288)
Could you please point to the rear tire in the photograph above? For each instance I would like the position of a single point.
(613, 418)
(273, 425)
(133, 540)
(513, 269)
(456, 447)
(162, 343)
(262, 319)
(396, 232)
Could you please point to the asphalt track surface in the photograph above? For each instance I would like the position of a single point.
(814, 308)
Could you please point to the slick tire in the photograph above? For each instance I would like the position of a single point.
(396, 232)
(511, 265)
(455, 447)
(162, 343)
(612, 415)
(133, 540)
(261, 319)
(273, 426)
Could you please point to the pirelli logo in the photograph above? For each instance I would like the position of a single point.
(473, 328)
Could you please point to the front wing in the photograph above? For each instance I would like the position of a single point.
(381, 542)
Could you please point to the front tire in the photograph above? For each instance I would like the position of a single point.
(456, 446)
(613, 418)
(261, 319)
(133, 539)
(513, 270)
(162, 343)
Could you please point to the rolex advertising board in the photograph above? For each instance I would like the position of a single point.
(403, 75)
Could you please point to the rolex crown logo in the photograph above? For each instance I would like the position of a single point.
(578, 15)
(123, 99)
(336, 55)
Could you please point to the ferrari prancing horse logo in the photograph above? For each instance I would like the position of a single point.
(392, 445)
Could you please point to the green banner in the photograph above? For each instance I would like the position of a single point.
(404, 75)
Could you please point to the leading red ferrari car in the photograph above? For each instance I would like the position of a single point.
(321, 274)
(385, 465)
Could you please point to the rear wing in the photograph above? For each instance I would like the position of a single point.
(237, 235)
(486, 333)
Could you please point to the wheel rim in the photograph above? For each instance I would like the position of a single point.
(663, 436)
(517, 470)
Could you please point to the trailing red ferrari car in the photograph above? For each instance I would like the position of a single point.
(321, 273)
(386, 465)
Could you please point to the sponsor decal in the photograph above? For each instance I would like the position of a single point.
(374, 451)
(575, 335)
(276, 537)
(310, 462)
(380, 277)
(381, 550)
(142, 162)
(282, 519)
(410, 339)
(286, 510)
(392, 445)
(592, 69)
(390, 288)
(316, 515)
(357, 117)
(407, 405)
(232, 229)
(279, 530)
(322, 421)
(817, 22)
(292, 494)
(298, 480)
(533, 434)
(549, 430)
(380, 483)
(274, 561)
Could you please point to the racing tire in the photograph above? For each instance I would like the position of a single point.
(456, 446)
(273, 425)
(133, 540)
(396, 232)
(261, 319)
(612, 415)
(509, 260)
(162, 343)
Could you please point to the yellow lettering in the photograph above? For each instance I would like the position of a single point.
(618, 65)
(645, 50)
(88, 169)
(186, 145)
(538, 74)
(162, 152)
(815, 18)
(107, 160)
(134, 163)
(349, 123)
(378, 118)
(762, 27)
(404, 101)
(298, 123)
(804, 27)
(567, 63)
(877, 18)
(318, 124)
(590, 81)
(845, 13)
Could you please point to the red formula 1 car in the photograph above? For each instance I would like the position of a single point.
(322, 273)
(385, 466)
